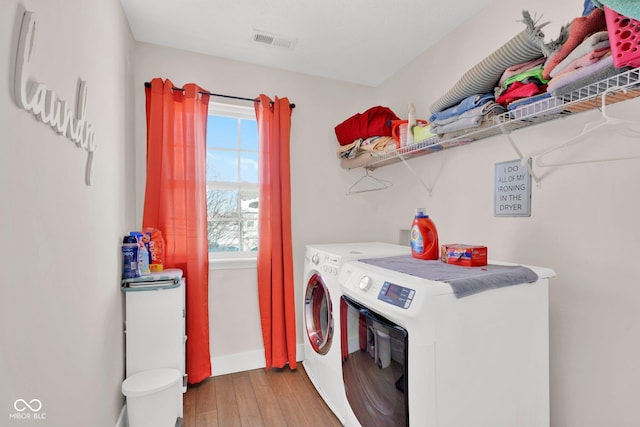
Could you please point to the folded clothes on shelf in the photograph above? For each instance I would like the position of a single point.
(468, 119)
(594, 42)
(579, 29)
(466, 104)
(360, 145)
(567, 82)
(519, 68)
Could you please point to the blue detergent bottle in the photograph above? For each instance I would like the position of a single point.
(130, 266)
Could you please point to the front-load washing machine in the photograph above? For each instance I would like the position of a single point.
(321, 302)
(417, 355)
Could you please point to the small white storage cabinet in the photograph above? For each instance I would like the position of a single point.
(155, 324)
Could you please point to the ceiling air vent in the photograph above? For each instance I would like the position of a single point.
(271, 39)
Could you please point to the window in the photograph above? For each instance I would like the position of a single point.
(232, 179)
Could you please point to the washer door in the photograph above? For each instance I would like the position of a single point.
(318, 315)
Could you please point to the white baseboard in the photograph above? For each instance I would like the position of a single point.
(240, 362)
(123, 421)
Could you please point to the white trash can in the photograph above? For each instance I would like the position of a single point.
(152, 397)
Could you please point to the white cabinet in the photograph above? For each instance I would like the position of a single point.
(155, 326)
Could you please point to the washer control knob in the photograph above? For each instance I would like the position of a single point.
(365, 283)
(315, 259)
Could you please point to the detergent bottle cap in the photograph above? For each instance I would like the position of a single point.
(421, 213)
(129, 239)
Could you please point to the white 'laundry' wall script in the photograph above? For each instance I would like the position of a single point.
(45, 105)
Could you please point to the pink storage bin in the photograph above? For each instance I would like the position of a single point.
(624, 35)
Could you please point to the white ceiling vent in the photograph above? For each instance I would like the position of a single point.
(271, 39)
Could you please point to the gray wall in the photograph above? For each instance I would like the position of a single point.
(583, 224)
(61, 305)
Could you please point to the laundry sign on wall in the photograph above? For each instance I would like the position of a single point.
(512, 189)
(45, 104)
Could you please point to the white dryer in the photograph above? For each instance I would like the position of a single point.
(321, 302)
(415, 355)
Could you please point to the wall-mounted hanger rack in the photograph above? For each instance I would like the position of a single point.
(371, 184)
(617, 88)
(623, 127)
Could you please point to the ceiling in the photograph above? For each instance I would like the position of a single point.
(358, 41)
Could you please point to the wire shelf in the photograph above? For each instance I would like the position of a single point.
(622, 86)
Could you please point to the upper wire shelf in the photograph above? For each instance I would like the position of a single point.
(623, 86)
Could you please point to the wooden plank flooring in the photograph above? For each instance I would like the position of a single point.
(274, 398)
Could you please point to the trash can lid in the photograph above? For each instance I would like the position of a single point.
(150, 381)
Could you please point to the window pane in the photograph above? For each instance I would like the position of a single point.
(222, 132)
(250, 208)
(223, 224)
(222, 166)
(223, 236)
(249, 135)
(222, 204)
(249, 167)
(250, 236)
(249, 201)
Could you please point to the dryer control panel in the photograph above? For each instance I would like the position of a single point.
(326, 263)
(396, 295)
(331, 264)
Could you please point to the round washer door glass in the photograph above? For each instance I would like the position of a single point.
(318, 317)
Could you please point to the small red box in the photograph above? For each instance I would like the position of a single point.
(465, 255)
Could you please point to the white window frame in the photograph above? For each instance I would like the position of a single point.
(232, 260)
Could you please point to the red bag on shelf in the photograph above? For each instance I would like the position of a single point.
(376, 121)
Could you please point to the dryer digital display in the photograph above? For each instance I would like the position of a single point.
(396, 295)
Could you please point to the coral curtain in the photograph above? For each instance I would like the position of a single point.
(275, 255)
(175, 202)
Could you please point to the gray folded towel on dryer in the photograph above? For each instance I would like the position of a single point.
(465, 281)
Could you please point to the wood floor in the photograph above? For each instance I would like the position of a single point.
(274, 398)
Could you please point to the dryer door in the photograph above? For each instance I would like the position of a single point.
(374, 367)
(318, 315)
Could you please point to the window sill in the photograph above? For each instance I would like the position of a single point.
(229, 263)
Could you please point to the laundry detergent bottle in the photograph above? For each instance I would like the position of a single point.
(130, 266)
(424, 237)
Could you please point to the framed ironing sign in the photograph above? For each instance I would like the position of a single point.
(512, 190)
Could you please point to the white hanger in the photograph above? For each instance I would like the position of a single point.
(621, 126)
(375, 184)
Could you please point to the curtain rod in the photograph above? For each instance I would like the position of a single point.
(147, 85)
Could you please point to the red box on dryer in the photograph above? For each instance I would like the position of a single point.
(465, 255)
